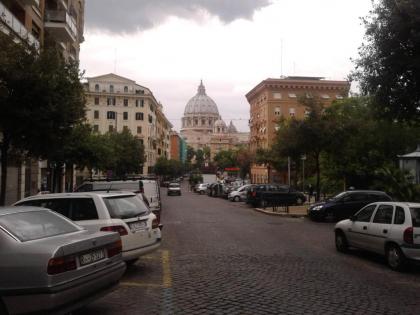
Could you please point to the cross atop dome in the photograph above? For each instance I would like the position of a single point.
(201, 88)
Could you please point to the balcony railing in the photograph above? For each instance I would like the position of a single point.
(61, 16)
(16, 26)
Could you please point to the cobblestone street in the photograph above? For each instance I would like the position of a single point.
(220, 257)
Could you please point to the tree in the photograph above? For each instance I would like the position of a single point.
(199, 158)
(190, 153)
(244, 159)
(42, 99)
(388, 67)
(225, 158)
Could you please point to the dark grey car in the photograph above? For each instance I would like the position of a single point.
(48, 263)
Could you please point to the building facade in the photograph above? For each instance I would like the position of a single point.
(273, 99)
(202, 125)
(115, 103)
(41, 23)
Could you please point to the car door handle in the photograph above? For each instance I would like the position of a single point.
(385, 231)
(365, 228)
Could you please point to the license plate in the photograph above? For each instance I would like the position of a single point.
(138, 225)
(91, 257)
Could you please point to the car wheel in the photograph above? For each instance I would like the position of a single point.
(131, 262)
(236, 198)
(395, 258)
(202, 192)
(341, 242)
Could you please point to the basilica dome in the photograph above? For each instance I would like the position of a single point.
(201, 104)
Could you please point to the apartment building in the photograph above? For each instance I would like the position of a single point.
(273, 99)
(41, 23)
(115, 103)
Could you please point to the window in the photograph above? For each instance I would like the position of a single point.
(125, 207)
(95, 128)
(141, 141)
(96, 100)
(125, 89)
(415, 215)
(277, 111)
(384, 214)
(125, 128)
(125, 115)
(339, 97)
(277, 95)
(139, 116)
(365, 214)
(325, 96)
(139, 129)
(111, 88)
(292, 112)
(292, 95)
(96, 87)
(110, 115)
(399, 215)
(150, 119)
(96, 114)
(140, 103)
(111, 101)
(83, 209)
(126, 102)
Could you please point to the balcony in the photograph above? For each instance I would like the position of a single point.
(61, 25)
(16, 27)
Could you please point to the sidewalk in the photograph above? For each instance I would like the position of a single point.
(294, 211)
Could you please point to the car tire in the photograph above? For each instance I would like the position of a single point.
(395, 258)
(341, 243)
(202, 192)
(236, 199)
(131, 262)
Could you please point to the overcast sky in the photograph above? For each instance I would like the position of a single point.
(170, 45)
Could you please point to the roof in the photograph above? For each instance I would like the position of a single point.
(21, 209)
(415, 154)
(201, 103)
(102, 193)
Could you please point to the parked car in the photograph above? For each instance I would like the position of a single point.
(174, 189)
(272, 194)
(49, 264)
(386, 228)
(201, 188)
(122, 212)
(148, 189)
(239, 194)
(345, 204)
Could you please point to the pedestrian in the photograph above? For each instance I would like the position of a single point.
(311, 192)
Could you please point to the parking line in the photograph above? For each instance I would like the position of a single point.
(167, 277)
(140, 284)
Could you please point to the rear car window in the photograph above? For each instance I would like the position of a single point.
(365, 214)
(83, 209)
(399, 215)
(415, 216)
(384, 214)
(124, 207)
(174, 185)
(33, 225)
(61, 205)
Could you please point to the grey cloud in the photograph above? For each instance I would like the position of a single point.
(126, 16)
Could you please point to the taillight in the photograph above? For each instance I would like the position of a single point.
(155, 224)
(61, 264)
(408, 235)
(114, 248)
(115, 228)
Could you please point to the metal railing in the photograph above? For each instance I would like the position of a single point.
(16, 26)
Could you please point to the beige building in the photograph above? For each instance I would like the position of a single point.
(276, 98)
(41, 23)
(115, 103)
(202, 125)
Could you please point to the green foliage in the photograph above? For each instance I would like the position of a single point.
(388, 66)
(41, 98)
(195, 178)
(190, 153)
(170, 168)
(225, 158)
(199, 158)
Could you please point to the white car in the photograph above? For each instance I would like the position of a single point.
(122, 212)
(238, 194)
(201, 188)
(174, 189)
(387, 228)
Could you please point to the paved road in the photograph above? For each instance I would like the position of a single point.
(223, 258)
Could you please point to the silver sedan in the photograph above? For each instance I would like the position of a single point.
(48, 263)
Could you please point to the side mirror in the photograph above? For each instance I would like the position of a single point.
(353, 218)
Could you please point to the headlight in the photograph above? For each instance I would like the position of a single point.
(317, 207)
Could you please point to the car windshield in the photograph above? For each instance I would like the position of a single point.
(34, 225)
(124, 207)
(415, 216)
(174, 185)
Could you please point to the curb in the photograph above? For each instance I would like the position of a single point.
(280, 214)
